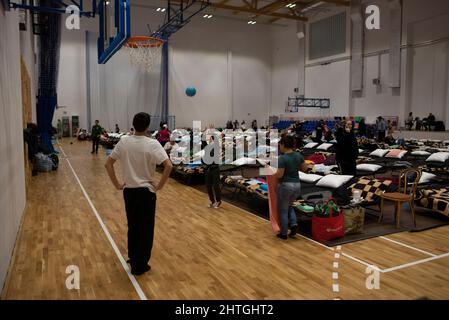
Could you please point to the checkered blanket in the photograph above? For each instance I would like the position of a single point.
(434, 199)
(371, 188)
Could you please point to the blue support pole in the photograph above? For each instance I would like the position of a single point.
(165, 79)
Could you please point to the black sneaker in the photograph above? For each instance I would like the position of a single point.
(293, 231)
(139, 271)
(281, 236)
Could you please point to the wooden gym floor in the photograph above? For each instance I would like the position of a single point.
(199, 253)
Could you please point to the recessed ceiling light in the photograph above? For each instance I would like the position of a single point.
(163, 10)
(158, 9)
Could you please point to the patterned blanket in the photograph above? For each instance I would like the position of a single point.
(434, 199)
(371, 188)
(251, 186)
(435, 170)
(190, 169)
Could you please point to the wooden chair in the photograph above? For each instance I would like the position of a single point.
(408, 182)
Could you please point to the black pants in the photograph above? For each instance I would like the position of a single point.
(348, 168)
(213, 184)
(95, 143)
(140, 205)
(381, 136)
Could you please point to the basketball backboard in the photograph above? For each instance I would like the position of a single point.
(115, 27)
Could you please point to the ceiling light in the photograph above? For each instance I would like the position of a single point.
(207, 16)
(251, 22)
(291, 5)
(163, 10)
(158, 9)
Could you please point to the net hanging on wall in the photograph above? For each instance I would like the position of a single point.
(144, 52)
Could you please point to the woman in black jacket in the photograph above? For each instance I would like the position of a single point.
(347, 149)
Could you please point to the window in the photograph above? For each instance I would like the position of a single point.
(328, 37)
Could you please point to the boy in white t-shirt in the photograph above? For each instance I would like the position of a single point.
(138, 156)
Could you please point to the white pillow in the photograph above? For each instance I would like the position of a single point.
(426, 177)
(333, 181)
(311, 145)
(438, 157)
(263, 161)
(199, 154)
(243, 161)
(368, 167)
(324, 146)
(361, 150)
(309, 178)
(420, 153)
(379, 153)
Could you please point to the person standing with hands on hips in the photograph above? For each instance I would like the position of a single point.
(139, 156)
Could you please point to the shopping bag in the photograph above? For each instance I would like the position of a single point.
(328, 222)
(354, 219)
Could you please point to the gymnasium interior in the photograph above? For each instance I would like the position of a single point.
(245, 72)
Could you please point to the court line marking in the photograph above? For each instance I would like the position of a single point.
(335, 286)
(408, 246)
(414, 263)
(131, 277)
(371, 265)
(311, 240)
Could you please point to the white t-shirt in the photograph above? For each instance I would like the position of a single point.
(139, 156)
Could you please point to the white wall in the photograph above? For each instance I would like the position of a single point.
(12, 176)
(424, 70)
(240, 69)
(229, 63)
(285, 71)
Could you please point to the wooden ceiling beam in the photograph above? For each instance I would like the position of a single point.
(256, 12)
(339, 2)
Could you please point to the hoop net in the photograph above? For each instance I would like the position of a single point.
(144, 51)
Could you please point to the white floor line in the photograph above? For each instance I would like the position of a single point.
(265, 220)
(408, 246)
(362, 262)
(108, 235)
(414, 263)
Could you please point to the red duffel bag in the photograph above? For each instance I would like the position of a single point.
(329, 227)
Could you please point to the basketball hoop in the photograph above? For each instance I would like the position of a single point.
(144, 51)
